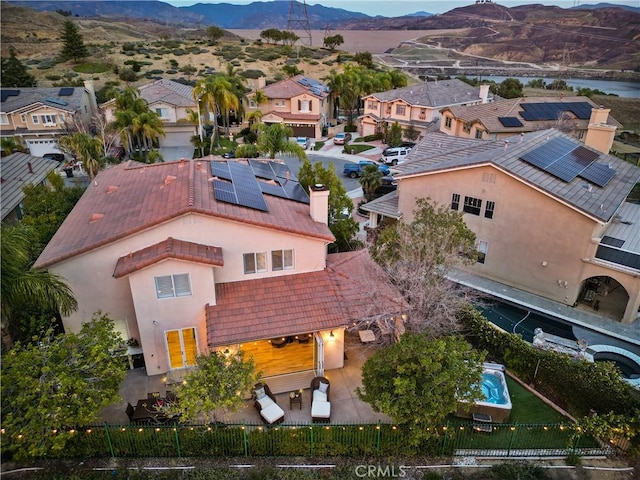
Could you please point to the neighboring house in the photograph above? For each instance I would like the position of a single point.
(195, 255)
(39, 116)
(19, 170)
(549, 213)
(172, 101)
(299, 102)
(417, 105)
(505, 118)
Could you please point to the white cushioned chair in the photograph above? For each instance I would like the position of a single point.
(320, 404)
(265, 403)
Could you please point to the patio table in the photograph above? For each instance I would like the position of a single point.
(145, 412)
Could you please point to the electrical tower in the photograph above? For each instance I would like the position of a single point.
(299, 21)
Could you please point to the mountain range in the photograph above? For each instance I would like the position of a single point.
(257, 15)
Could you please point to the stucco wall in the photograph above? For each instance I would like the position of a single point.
(535, 243)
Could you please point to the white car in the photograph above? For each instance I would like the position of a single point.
(304, 142)
(394, 155)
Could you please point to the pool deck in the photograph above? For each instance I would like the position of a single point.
(628, 332)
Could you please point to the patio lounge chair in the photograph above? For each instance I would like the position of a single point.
(265, 403)
(320, 404)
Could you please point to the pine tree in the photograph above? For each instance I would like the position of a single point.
(74, 47)
(14, 73)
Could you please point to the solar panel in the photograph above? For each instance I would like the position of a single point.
(281, 170)
(598, 174)
(562, 158)
(582, 110)
(224, 192)
(510, 122)
(65, 92)
(296, 192)
(247, 187)
(551, 110)
(8, 93)
(273, 189)
(220, 170)
(614, 242)
(262, 169)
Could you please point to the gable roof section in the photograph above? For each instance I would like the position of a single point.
(132, 197)
(432, 94)
(438, 153)
(169, 248)
(168, 91)
(291, 87)
(488, 114)
(16, 174)
(351, 287)
(33, 97)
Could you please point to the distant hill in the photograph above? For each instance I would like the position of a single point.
(606, 5)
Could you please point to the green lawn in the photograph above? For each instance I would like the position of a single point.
(527, 408)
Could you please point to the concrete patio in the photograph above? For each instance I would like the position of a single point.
(346, 408)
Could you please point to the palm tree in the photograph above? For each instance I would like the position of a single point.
(84, 147)
(25, 287)
(146, 127)
(128, 105)
(370, 180)
(217, 96)
(274, 138)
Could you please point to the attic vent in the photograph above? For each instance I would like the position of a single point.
(95, 217)
(111, 189)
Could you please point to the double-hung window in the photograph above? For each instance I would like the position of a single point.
(455, 201)
(482, 251)
(489, 208)
(472, 205)
(255, 262)
(281, 260)
(401, 109)
(176, 285)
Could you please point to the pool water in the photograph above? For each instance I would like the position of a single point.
(492, 389)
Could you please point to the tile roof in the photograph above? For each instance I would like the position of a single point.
(294, 116)
(289, 88)
(168, 91)
(488, 113)
(169, 248)
(131, 197)
(432, 94)
(16, 174)
(28, 97)
(351, 287)
(438, 152)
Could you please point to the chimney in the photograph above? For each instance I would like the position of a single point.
(319, 204)
(599, 134)
(484, 93)
(30, 167)
(93, 103)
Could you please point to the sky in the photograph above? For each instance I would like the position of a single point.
(396, 8)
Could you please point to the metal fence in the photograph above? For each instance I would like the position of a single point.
(452, 439)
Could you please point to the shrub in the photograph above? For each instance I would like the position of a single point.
(350, 128)
(90, 67)
(53, 78)
(253, 74)
(127, 75)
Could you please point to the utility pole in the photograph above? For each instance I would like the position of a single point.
(299, 20)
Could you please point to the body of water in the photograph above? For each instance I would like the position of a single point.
(613, 87)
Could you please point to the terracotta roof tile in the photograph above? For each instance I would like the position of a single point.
(144, 198)
(351, 287)
(169, 248)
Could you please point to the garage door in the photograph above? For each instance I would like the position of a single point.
(304, 131)
(177, 139)
(39, 147)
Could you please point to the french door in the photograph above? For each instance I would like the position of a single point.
(318, 354)
(182, 347)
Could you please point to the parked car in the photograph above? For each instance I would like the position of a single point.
(57, 157)
(387, 185)
(231, 154)
(341, 138)
(354, 170)
(304, 142)
(394, 155)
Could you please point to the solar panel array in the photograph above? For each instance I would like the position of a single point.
(56, 101)
(244, 185)
(565, 160)
(8, 93)
(510, 122)
(551, 110)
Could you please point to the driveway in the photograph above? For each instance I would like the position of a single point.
(170, 154)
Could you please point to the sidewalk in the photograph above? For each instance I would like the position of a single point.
(335, 151)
